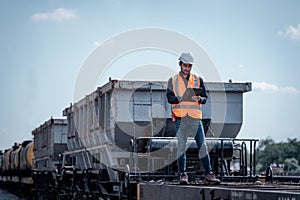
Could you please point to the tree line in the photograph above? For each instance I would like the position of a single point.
(281, 155)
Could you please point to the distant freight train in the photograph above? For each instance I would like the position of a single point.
(122, 134)
(16, 164)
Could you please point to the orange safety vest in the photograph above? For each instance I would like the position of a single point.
(182, 109)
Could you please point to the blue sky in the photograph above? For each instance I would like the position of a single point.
(44, 43)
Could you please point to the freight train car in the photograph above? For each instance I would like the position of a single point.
(31, 167)
(16, 166)
(122, 134)
(124, 129)
(50, 140)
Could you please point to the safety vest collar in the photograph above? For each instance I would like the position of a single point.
(178, 79)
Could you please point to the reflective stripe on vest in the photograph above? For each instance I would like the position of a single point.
(182, 109)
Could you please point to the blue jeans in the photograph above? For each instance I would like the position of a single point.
(186, 127)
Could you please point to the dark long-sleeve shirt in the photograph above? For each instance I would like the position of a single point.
(172, 99)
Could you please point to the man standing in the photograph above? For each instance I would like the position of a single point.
(187, 115)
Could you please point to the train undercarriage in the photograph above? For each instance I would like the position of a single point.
(72, 183)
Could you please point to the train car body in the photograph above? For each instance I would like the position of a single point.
(1, 161)
(26, 156)
(123, 125)
(120, 139)
(16, 167)
(6, 160)
(50, 140)
(15, 159)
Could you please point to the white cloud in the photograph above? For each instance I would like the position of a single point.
(290, 90)
(269, 87)
(263, 86)
(291, 32)
(59, 14)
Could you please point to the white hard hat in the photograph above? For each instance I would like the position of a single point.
(186, 58)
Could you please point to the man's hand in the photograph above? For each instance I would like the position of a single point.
(196, 98)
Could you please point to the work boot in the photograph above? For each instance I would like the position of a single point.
(210, 177)
(184, 179)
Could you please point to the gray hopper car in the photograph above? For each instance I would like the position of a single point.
(50, 140)
(106, 123)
